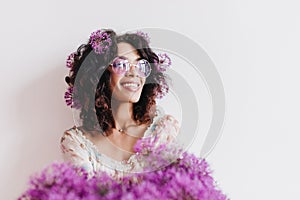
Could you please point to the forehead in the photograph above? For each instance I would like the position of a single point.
(127, 50)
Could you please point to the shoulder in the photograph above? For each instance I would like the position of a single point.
(168, 124)
(72, 138)
(73, 142)
(68, 134)
(75, 150)
(168, 119)
(165, 118)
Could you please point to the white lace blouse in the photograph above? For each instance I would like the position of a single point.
(80, 151)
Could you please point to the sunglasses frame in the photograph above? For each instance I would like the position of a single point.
(131, 64)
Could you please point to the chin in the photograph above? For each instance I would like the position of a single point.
(135, 100)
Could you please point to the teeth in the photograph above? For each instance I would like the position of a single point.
(130, 85)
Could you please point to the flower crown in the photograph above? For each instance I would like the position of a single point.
(100, 41)
(144, 35)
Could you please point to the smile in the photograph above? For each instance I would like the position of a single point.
(132, 86)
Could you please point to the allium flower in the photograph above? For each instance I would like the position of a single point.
(144, 35)
(188, 177)
(153, 154)
(164, 62)
(58, 181)
(70, 60)
(100, 41)
(68, 96)
(70, 101)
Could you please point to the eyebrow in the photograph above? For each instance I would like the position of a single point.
(124, 57)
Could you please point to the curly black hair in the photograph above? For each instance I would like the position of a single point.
(90, 79)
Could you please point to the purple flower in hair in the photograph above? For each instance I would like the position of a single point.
(68, 96)
(70, 101)
(70, 60)
(164, 62)
(144, 35)
(100, 41)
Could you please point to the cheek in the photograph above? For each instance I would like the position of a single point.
(114, 81)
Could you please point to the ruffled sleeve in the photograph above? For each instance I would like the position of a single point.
(74, 150)
(166, 129)
(163, 133)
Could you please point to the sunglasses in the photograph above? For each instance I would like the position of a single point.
(121, 66)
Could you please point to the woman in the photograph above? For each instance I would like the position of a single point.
(118, 79)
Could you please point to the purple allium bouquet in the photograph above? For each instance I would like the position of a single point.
(166, 176)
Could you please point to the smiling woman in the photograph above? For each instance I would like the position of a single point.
(127, 79)
(114, 81)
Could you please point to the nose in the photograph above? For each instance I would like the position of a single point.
(132, 71)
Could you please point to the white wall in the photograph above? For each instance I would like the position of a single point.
(254, 45)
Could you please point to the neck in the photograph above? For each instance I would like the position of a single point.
(122, 113)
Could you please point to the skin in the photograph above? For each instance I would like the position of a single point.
(119, 146)
(122, 99)
(119, 93)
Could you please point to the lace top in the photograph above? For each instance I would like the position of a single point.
(80, 151)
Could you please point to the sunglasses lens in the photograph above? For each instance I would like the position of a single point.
(144, 67)
(120, 66)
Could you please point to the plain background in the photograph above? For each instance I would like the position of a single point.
(254, 44)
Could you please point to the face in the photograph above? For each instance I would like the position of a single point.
(127, 87)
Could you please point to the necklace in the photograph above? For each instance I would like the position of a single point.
(123, 131)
